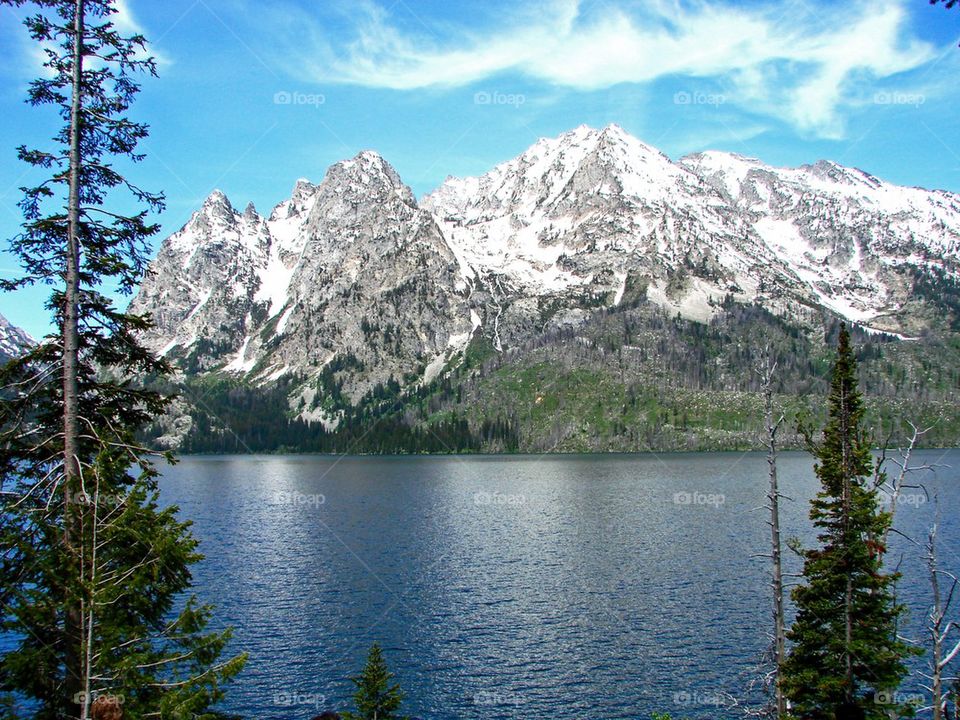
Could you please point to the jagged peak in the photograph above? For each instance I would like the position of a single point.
(217, 198)
(642, 170)
(616, 133)
(368, 168)
(611, 143)
(9, 328)
(215, 217)
(610, 134)
(14, 341)
(216, 209)
(300, 199)
(250, 211)
(302, 188)
(367, 160)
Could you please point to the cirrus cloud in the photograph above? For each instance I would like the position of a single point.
(802, 62)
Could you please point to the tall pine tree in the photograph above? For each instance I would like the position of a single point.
(92, 569)
(846, 659)
(377, 696)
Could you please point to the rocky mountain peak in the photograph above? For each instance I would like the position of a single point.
(302, 190)
(301, 200)
(13, 340)
(367, 177)
(217, 201)
(615, 137)
(579, 168)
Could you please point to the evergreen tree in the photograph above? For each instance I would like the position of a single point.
(846, 659)
(376, 698)
(91, 568)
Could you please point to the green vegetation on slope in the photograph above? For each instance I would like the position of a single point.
(630, 379)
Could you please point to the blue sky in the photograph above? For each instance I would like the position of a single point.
(254, 94)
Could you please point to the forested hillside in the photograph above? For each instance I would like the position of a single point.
(630, 379)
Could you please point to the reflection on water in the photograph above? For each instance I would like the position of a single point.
(504, 587)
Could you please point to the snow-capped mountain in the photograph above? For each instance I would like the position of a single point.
(350, 268)
(13, 341)
(355, 268)
(855, 242)
(202, 288)
(598, 208)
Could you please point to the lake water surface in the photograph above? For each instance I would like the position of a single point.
(536, 587)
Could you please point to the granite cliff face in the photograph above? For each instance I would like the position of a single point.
(351, 268)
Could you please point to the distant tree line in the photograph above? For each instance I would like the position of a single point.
(235, 417)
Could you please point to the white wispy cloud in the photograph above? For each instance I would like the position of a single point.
(798, 61)
(124, 21)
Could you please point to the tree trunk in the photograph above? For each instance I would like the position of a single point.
(88, 615)
(937, 614)
(780, 640)
(71, 343)
(847, 491)
(773, 495)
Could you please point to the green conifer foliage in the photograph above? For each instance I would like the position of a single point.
(93, 571)
(377, 696)
(845, 655)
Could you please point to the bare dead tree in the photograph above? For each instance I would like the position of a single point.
(893, 488)
(940, 628)
(767, 372)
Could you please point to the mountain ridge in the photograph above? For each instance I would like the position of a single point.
(358, 274)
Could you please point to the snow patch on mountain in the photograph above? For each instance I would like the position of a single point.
(589, 207)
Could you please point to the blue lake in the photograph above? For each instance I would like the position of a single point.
(536, 587)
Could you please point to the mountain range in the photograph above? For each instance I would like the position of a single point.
(352, 301)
